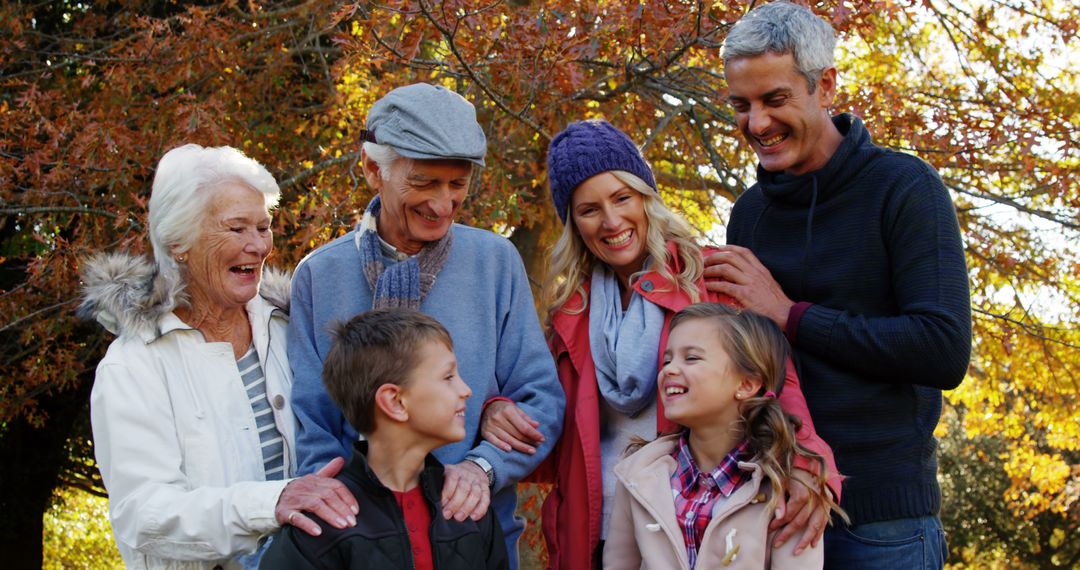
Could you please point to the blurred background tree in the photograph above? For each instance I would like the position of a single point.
(93, 94)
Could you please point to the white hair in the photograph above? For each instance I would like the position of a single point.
(784, 28)
(185, 180)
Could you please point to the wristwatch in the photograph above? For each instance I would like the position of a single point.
(486, 466)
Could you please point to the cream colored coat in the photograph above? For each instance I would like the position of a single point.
(644, 532)
(174, 433)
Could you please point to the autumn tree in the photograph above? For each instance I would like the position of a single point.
(94, 93)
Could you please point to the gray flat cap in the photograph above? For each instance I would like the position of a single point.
(427, 122)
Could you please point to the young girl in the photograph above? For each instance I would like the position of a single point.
(704, 498)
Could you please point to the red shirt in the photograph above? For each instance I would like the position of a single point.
(418, 522)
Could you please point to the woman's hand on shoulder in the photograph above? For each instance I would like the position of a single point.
(320, 494)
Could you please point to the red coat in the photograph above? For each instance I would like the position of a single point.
(572, 511)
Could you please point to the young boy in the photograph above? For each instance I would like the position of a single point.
(394, 375)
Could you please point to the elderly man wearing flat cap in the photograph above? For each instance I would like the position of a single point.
(422, 147)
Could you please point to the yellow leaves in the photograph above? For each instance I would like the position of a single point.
(1057, 537)
(1038, 480)
(941, 430)
(77, 534)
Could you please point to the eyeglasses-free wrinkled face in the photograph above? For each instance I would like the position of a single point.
(225, 263)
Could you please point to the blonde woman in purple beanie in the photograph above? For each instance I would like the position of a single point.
(623, 266)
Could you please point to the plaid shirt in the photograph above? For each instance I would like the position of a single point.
(696, 493)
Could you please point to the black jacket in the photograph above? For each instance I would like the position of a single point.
(380, 539)
(871, 240)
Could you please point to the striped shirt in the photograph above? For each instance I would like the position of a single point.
(273, 445)
(696, 493)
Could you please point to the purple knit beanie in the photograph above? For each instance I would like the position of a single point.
(584, 149)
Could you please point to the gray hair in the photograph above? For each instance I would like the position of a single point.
(383, 155)
(784, 28)
(183, 185)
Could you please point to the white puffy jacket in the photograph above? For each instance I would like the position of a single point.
(174, 433)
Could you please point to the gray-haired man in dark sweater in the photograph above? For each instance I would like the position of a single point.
(855, 252)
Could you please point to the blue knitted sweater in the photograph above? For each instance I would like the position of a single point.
(482, 297)
(872, 241)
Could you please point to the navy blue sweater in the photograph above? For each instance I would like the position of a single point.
(871, 240)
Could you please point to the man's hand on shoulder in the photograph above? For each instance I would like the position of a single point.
(735, 271)
(465, 492)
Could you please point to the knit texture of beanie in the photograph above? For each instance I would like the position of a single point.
(584, 149)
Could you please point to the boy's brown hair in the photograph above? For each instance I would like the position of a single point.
(374, 348)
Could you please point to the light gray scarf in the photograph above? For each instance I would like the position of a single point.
(624, 344)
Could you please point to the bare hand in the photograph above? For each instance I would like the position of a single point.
(507, 426)
(737, 272)
(321, 494)
(465, 492)
(802, 511)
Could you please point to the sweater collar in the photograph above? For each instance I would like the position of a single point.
(854, 152)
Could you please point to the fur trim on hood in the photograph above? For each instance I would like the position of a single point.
(126, 294)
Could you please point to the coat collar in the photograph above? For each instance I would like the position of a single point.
(646, 474)
(572, 329)
(651, 285)
(358, 469)
(127, 295)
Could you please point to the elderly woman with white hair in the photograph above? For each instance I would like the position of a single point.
(193, 427)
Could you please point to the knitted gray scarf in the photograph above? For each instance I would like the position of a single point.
(624, 344)
(402, 284)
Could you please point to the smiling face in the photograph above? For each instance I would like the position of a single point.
(788, 127)
(699, 383)
(610, 218)
(434, 395)
(419, 199)
(224, 264)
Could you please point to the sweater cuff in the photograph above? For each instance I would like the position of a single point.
(491, 401)
(795, 313)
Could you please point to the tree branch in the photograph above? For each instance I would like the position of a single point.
(495, 98)
(304, 175)
(7, 210)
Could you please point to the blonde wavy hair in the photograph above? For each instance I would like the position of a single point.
(571, 262)
(756, 347)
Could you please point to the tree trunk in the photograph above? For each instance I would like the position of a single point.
(532, 243)
(30, 462)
